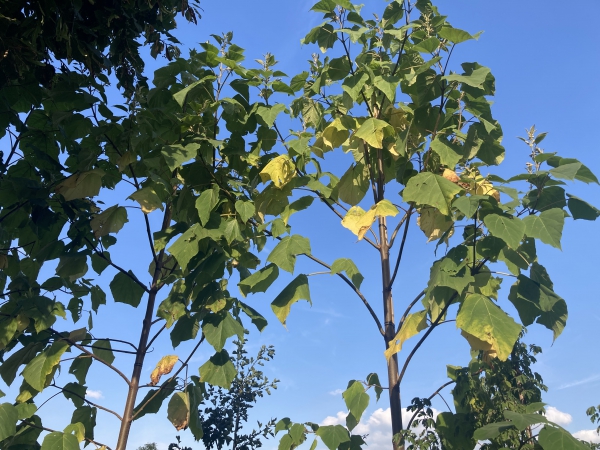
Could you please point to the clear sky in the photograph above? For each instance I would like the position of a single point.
(546, 60)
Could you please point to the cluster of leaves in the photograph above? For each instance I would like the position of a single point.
(36, 36)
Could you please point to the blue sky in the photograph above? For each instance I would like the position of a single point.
(545, 60)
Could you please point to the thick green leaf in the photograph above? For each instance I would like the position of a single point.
(80, 366)
(449, 153)
(60, 441)
(181, 96)
(566, 171)
(103, 350)
(475, 79)
(176, 155)
(454, 35)
(557, 438)
(259, 281)
(581, 210)
(353, 84)
(547, 226)
(245, 209)
(125, 290)
(218, 328)
(38, 370)
(196, 399)
(348, 266)
(480, 317)
(413, 324)
(268, 114)
(111, 220)
(333, 435)
(257, 319)
(536, 302)
(206, 203)
(218, 370)
(186, 246)
(296, 290)
(354, 184)
(356, 399)
(8, 420)
(153, 400)
(72, 267)
(509, 229)
(285, 252)
(492, 430)
(178, 410)
(427, 188)
(522, 421)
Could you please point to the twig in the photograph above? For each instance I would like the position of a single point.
(401, 249)
(155, 336)
(429, 398)
(62, 389)
(405, 315)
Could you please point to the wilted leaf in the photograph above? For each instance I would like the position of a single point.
(164, 367)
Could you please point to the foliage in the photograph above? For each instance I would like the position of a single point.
(224, 412)
(151, 446)
(39, 37)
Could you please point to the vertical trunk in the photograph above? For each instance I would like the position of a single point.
(141, 349)
(390, 331)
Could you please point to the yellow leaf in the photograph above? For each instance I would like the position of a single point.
(164, 367)
(450, 175)
(335, 134)
(398, 119)
(359, 221)
(486, 188)
(385, 208)
(148, 199)
(477, 344)
(279, 170)
(434, 224)
(413, 324)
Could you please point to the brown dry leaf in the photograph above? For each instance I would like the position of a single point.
(450, 175)
(164, 367)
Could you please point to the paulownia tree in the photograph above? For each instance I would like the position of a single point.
(422, 138)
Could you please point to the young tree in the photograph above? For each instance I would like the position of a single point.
(387, 95)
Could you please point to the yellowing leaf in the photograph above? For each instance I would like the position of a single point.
(478, 344)
(111, 220)
(413, 324)
(335, 134)
(372, 131)
(164, 367)
(450, 175)
(279, 170)
(359, 221)
(486, 188)
(81, 185)
(178, 410)
(434, 224)
(148, 199)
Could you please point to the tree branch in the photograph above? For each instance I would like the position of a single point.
(405, 315)
(62, 389)
(429, 398)
(408, 215)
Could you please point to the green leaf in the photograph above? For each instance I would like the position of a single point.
(80, 366)
(413, 324)
(285, 252)
(186, 246)
(492, 430)
(427, 188)
(372, 132)
(354, 184)
(387, 85)
(154, 399)
(103, 350)
(581, 210)
(218, 370)
(81, 185)
(206, 203)
(547, 226)
(523, 421)
(480, 317)
(245, 209)
(449, 153)
(293, 292)
(77, 429)
(148, 199)
(268, 114)
(536, 302)
(99, 263)
(8, 420)
(257, 319)
(299, 205)
(98, 297)
(218, 328)
(125, 290)
(333, 435)
(176, 155)
(181, 96)
(356, 399)
(111, 220)
(468, 205)
(60, 441)
(72, 267)
(259, 281)
(178, 411)
(454, 35)
(556, 438)
(25, 410)
(475, 79)
(75, 392)
(196, 400)
(353, 84)
(566, 171)
(348, 266)
(40, 368)
(280, 86)
(373, 380)
(509, 229)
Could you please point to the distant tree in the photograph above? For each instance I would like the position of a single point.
(151, 446)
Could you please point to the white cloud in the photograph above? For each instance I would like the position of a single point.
(378, 426)
(336, 392)
(588, 435)
(96, 395)
(559, 417)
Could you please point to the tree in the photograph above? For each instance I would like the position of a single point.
(390, 99)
